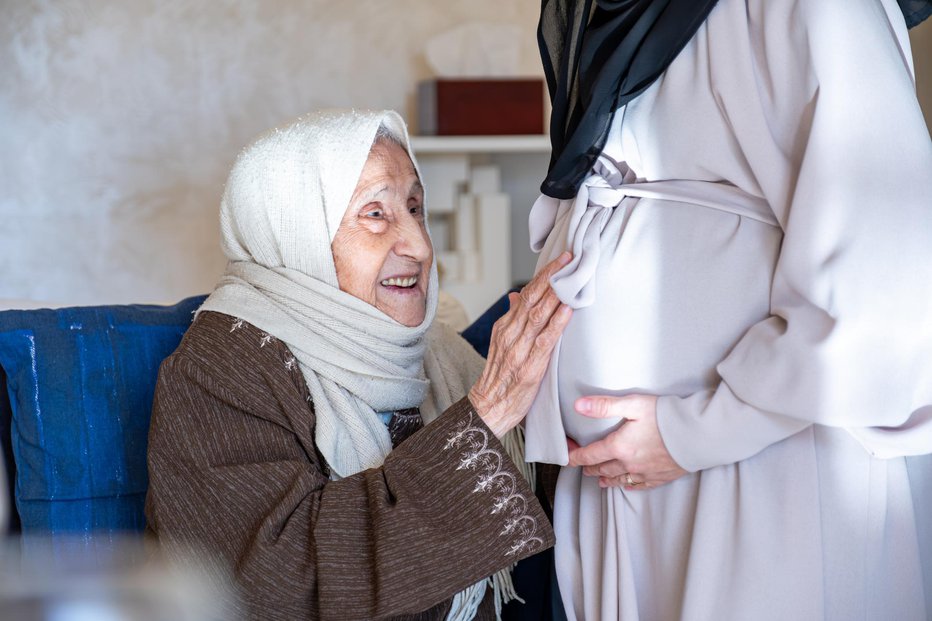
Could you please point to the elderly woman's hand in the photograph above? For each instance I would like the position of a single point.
(634, 455)
(519, 352)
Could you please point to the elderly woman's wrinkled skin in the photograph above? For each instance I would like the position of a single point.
(381, 250)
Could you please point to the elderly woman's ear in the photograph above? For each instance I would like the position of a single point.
(519, 353)
(381, 251)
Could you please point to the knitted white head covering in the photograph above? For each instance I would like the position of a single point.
(284, 201)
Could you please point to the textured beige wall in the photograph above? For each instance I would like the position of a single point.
(119, 121)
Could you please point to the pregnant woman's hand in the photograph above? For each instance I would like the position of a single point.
(519, 351)
(634, 455)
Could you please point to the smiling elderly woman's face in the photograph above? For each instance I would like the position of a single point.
(381, 250)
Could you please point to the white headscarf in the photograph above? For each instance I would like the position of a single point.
(284, 201)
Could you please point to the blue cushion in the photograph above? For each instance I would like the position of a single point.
(479, 333)
(80, 383)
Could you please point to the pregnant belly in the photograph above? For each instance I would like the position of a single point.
(676, 287)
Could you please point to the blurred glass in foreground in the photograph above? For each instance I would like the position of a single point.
(106, 579)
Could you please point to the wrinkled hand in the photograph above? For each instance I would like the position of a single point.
(635, 449)
(519, 351)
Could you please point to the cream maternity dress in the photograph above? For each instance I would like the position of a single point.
(754, 246)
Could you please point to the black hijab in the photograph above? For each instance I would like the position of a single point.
(600, 54)
(915, 11)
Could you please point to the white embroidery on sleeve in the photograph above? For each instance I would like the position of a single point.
(473, 443)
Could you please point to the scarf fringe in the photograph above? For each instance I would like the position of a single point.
(513, 441)
(466, 602)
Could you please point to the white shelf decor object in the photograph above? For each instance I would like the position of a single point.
(469, 214)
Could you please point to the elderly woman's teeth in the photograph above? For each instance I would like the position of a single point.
(400, 282)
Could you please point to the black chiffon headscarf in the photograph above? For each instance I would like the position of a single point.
(915, 11)
(600, 54)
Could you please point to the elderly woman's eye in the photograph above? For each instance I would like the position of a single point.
(374, 212)
(416, 209)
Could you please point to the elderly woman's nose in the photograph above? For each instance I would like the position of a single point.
(412, 239)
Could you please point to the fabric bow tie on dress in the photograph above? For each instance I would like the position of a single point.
(593, 221)
(590, 213)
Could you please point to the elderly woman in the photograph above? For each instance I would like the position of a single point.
(313, 430)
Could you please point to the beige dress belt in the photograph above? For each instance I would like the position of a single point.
(614, 185)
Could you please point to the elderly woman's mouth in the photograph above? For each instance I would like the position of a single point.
(403, 283)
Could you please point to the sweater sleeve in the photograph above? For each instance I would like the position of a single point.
(832, 129)
(446, 509)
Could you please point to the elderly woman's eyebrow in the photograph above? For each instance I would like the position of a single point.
(373, 193)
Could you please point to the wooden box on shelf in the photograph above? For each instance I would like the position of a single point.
(455, 107)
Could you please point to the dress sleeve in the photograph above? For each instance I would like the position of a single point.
(832, 129)
(229, 476)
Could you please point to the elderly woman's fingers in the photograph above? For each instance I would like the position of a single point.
(529, 356)
(540, 284)
(508, 384)
(537, 328)
(519, 352)
(535, 304)
(530, 313)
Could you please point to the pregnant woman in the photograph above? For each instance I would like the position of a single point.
(746, 186)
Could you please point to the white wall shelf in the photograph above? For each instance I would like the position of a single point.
(481, 144)
(479, 191)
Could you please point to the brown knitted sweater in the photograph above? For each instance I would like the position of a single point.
(234, 469)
